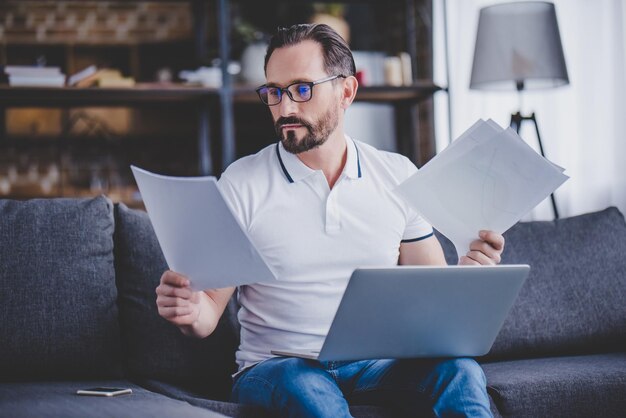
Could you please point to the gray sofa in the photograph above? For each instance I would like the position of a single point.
(77, 309)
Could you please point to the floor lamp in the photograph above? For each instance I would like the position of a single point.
(518, 47)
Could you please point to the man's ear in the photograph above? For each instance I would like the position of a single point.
(350, 86)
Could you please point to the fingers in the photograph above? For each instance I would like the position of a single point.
(492, 238)
(174, 279)
(166, 290)
(173, 306)
(195, 297)
(175, 301)
(466, 261)
(177, 310)
(485, 251)
(180, 315)
(168, 302)
(174, 285)
(172, 312)
(480, 258)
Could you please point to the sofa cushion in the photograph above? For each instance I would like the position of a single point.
(573, 299)
(154, 348)
(577, 386)
(57, 289)
(59, 399)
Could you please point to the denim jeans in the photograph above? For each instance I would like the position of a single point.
(293, 387)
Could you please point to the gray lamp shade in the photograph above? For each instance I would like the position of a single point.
(518, 46)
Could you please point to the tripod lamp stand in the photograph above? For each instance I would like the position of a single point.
(518, 47)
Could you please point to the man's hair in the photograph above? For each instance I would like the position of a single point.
(338, 59)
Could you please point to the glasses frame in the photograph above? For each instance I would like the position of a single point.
(284, 90)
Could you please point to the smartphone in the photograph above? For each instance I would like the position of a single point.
(104, 391)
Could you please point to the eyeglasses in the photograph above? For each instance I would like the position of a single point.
(300, 92)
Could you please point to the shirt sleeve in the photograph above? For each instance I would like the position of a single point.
(417, 228)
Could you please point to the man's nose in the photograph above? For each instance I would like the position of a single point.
(287, 106)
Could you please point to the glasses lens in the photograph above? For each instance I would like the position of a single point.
(300, 92)
(269, 95)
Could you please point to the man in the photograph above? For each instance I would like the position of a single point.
(318, 204)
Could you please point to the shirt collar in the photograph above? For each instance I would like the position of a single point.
(295, 170)
(353, 160)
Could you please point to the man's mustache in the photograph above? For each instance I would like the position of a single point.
(291, 120)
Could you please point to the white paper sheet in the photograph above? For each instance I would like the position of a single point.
(199, 235)
(486, 179)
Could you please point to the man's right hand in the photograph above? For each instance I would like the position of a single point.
(176, 301)
(194, 313)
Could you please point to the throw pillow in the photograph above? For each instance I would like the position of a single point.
(57, 290)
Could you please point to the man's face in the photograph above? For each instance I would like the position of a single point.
(303, 126)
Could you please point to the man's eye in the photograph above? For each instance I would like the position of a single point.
(274, 92)
(303, 89)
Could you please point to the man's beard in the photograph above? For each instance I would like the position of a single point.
(316, 134)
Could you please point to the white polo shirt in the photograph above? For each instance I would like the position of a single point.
(313, 237)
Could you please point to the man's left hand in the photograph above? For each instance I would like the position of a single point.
(484, 251)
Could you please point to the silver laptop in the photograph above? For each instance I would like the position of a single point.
(419, 311)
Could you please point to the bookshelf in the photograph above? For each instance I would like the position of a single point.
(212, 110)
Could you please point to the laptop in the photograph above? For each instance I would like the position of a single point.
(419, 312)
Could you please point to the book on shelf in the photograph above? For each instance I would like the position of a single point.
(82, 75)
(116, 82)
(33, 76)
(103, 77)
(31, 70)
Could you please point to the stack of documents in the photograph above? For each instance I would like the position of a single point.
(488, 178)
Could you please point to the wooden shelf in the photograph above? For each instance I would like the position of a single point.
(417, 92)
(141, 94)
(203, 99)
(208, 105)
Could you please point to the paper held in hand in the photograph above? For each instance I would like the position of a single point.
(488, 178)
(198, 233)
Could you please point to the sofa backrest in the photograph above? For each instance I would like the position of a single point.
(573, 301)
(154, 348)
(58, 297)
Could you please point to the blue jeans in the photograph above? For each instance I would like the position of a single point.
(293, 387)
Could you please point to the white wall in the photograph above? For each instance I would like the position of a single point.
(581, 124)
